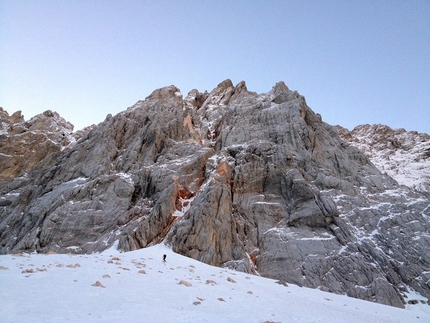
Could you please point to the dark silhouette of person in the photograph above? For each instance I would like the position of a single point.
(164, 258)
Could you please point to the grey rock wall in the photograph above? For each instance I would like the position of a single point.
(255, 182)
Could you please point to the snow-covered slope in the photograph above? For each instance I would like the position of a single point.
(404, 155)
(138, 287)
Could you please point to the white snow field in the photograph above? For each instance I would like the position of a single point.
(138, 287)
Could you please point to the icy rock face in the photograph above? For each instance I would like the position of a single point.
(404, 155)
(23, 144)
(255, 182)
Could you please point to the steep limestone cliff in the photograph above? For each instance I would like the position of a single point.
(404, 155)
(255, 182)
(23, 144)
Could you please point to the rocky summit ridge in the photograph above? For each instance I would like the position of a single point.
(404, 155)
(253, 182)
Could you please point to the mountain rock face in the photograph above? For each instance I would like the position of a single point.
(254, 182)
(404, 155)
(24, 144)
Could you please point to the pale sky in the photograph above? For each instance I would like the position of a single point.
(356, 62)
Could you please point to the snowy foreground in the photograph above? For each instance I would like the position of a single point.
(138, 287)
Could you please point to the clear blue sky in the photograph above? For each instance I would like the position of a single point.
(355, 62)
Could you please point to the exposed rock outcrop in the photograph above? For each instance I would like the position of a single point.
(404, 155)
(255, 182)
(23, 144)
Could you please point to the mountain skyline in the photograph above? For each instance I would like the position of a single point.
(252, 182)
